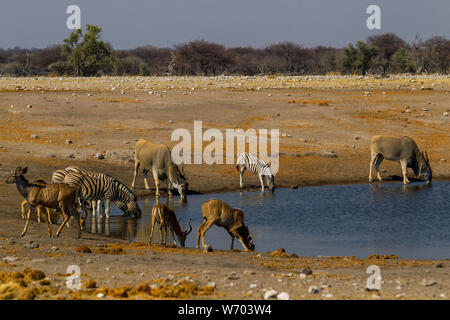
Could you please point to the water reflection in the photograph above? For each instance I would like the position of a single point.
(410, 221)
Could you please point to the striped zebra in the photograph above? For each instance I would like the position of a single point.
(98, 186)
(247, 161)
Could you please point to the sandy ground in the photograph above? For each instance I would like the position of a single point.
(50, 123)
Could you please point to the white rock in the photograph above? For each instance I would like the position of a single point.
(253, 285)
(283, 296)
(270, 294)
(212, 284)
(100, 295)
(313, 289)
(10, 259)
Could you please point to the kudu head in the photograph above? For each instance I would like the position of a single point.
(178, 179)
(16, 175)
(423, 166)
(244, 236)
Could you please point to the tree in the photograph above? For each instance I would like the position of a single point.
(202, 57)
(438, 49)
(144, 69)
(402, 61)
(387, 44)
(86, 54)
(359, 59)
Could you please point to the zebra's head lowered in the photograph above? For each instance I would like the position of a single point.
(130, 208)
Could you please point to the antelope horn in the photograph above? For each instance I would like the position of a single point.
(186, 232)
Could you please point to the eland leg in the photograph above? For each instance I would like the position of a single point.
(379, 159)
(403, 163)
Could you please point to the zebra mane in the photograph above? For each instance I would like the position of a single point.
(125, 189)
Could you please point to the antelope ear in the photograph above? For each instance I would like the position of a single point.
(24, 170)
(18, 170)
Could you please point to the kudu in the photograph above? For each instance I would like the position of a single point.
(55, 196)
(220, 213)
(167, 219)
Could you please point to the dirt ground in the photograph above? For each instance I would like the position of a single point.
(50, 123)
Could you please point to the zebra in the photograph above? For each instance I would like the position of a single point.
(98, 186)
(253, 164)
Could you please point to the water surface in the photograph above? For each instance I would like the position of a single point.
(343, 220)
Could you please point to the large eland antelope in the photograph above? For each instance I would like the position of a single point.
(157, 158)
(220, 213)
(400, 149)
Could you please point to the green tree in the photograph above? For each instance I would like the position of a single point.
(144, 69)
(86, 54)
(358, 60)
(402, 61)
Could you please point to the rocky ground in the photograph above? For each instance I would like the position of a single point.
(325, 125)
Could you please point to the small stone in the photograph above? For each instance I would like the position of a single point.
(283, 296)
(70, 156)
(99, 156)
(208, 248)
(29, 106)
(232, 276)
(270, 294)
(100, 295)
(429, 283)
(171, 121)
(211, 284)
(306, 271)
(445, 114)
(32, 245)
(142, 274)
(302, 276)
(328, 295)
(313, 290)
(439, 265)
(253, 285)
(50, 155)
(68, 141)
(10, 259)
(34, 136)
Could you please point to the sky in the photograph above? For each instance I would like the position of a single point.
(256, 23)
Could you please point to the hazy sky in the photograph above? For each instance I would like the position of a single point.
(164, 23)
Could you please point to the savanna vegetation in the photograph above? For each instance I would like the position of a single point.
(86, 54)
